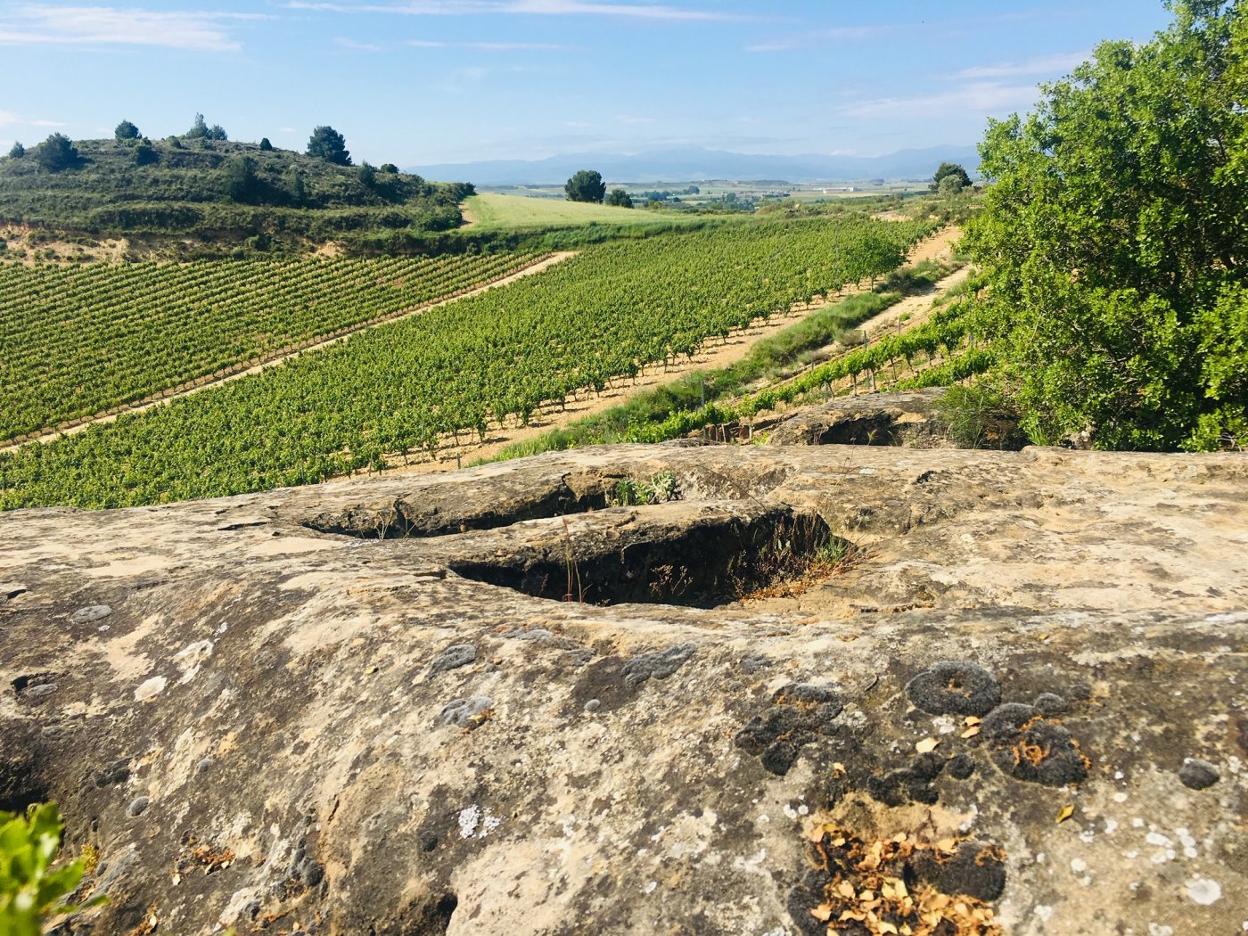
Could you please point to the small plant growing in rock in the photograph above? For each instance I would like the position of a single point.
(660, 489)
(32, 892)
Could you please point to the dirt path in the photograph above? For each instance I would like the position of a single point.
(711, 355)
(280, 357)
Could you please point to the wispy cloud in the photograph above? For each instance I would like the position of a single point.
(650, 11)
(486, 46)
(981, 97)
(818, 37)
(40, 24)
(344, 43)
(10, 119)
(1036, 67)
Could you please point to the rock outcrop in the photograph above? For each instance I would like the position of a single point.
(967, 691)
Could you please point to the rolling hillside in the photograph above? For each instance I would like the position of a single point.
(219, 191)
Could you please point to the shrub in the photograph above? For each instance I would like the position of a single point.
(57, 152)
(619, 198)
(126, 131)
(978, 416)
(17, 151)
(265, 145)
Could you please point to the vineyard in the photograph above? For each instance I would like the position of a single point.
(406, 385)
(938, 353)
(80, 340)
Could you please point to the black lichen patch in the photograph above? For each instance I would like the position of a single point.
(798, 715)
(961, 766)
(1027, 746)
(954, 687)
(975, 869)
(614, 680)
(1198, 774)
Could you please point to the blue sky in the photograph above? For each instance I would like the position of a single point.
(423, 81)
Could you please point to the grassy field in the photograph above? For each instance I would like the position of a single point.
(511, 212)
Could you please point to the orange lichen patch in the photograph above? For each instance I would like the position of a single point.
(209, 857)
(882, 887)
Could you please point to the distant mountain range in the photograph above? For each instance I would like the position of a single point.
(694, 164)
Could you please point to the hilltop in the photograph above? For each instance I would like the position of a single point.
(220, 191)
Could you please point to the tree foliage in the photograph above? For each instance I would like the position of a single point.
(620, 198)
(1115, 234)
(949, 170)
(17, 151)
(241, 182)
(126, 131)
(586, 186)
(265, 145)
(145, 154)
(57, 153)
(328, 144)
(32, 892)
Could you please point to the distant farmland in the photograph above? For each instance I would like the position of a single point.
(510, 212)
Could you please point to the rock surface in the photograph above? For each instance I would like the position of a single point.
(362, 707)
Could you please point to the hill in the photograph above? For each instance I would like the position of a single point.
(219, 191)
(696, 164)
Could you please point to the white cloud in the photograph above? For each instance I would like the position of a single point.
(38, 24)
(1037, 67)
(983, 97)
(653, 11)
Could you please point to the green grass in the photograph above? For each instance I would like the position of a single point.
(516, 212)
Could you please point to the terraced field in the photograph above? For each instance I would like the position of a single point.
(403, 386)
(80, 340)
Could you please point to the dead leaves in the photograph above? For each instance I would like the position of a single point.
(868, 892)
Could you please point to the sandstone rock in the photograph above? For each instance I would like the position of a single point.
(265, 685)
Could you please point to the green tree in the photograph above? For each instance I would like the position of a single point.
(389, 168)
(586, 186)
(328, 144)
(145, 154)
(367, 175)
(951, 170)
(126, 131)
(619, 198)
(241, 182)
(265, 145)
(951, 185)
(17, 151)
(1113, 237)
(57, 152)
(199, 129)
(297, 186)
(217, 132)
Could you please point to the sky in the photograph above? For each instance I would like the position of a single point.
(429, 81)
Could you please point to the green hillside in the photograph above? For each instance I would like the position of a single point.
(214, 190)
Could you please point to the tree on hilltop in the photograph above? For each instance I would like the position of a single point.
(328, 144)
(951, 170)
(265, 145)
(17, 151)
(57, 152)
(125, 132)
(620, 199)
(586, 186)
(199, 129)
